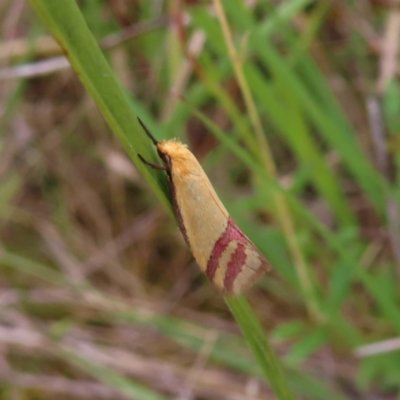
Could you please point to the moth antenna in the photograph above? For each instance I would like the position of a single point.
(153, 139)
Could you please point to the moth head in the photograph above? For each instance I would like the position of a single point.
(176, 154)
(172, 149)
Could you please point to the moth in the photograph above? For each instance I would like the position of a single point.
(224, 253)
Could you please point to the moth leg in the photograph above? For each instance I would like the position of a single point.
(152, 165)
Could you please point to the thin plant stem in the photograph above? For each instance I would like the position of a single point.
(266, 158)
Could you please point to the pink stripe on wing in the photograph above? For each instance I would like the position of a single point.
(235, 265)
(232, 232)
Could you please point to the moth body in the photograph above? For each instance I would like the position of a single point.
(229, 259)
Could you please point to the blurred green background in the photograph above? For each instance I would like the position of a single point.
(99, 295)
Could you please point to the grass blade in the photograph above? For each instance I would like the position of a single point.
(255, 337)
(67, 25)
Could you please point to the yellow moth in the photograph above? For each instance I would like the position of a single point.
(227, 256)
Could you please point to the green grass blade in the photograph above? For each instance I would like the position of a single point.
(255, 337)
(110, 377)
(339, 134)
(67, 25)
(298, 135)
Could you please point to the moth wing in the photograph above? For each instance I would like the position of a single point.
(235, 263)
(256, 265)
